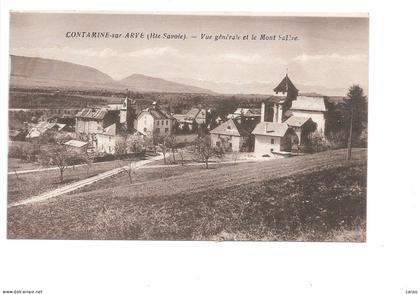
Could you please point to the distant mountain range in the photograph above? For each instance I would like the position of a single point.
(37, 72)
(265, 88)
(41, 72)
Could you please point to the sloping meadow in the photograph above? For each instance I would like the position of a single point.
(324, 204)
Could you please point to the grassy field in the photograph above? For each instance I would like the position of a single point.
(189, 157)
(315, 197)
(145, 175)
(15, 164)
(22, 186)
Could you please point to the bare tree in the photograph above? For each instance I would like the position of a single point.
(164, 149)
(121, 151)
(88, 161)
(203, 150)
(181, 155)
(59, 156)
(235, 155)
(171, 143)
(128, 169)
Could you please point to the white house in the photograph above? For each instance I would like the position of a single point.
(108, 139)
(273, 138)
(230, 135)
(310, 107)
(154, 121)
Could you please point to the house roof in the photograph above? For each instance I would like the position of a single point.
(179, 116)
(76, 143)
(110, 130)
(196, 113)
(271, 129)
(14, 132)
(157, 113)
(276, 99)
(309, 103)
(42, 127)
(285, 86)
(297, 121)
(240, 111)
(92, 113)
(231, 128)
(247, 112)
(59, 126)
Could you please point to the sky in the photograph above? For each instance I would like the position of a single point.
(330, 52)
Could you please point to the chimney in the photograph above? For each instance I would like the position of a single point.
(275, 116)
(262, 111)
(280, 114)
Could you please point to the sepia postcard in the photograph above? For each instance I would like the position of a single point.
(187, 127)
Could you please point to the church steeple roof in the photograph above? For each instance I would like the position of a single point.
(286, 86)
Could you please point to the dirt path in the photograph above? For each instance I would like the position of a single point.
(79, 184)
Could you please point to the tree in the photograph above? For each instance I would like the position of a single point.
(185, 128)
(128, 169)
(171, 143)
(148, 143)
(88, 161)
(165, 142)
(356, 109)
(48, 137)
(181, 155)
(59, 156)
(120, 147)
(203, 150)
(135, 143)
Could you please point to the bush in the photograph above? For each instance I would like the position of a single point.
(317, 142)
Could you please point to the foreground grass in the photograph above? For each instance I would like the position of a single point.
(144, 175)
(323, 204)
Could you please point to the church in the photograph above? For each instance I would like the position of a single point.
(287, 119)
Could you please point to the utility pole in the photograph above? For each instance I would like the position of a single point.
(351, 130)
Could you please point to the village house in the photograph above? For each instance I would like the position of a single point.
(246, 113)
(94, 120)
(248, 118)
(310, 107)
(107, 140)
(192, 119)
(42, 127)
(80, 147)
(273, 138)
(302, 127)
(231, 136)
(153, 121)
